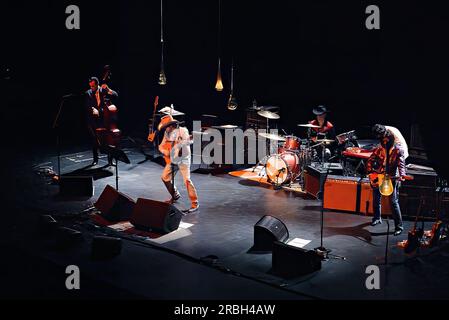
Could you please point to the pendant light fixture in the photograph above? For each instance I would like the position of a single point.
(219, 82)
(162, 78)
(232, 102)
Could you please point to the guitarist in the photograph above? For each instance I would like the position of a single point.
(175, 147)
(388, 158)
(95, 104)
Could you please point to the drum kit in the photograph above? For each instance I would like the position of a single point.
(293, 155)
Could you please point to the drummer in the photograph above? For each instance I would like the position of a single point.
(325, 130)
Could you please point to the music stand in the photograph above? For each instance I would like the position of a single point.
(118, 155)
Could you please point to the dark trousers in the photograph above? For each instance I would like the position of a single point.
(394, 198)
(94, 142)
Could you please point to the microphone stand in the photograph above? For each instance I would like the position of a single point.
(321, 250)
(173, 170)
(56, 127)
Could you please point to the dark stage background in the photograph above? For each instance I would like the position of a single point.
(293, 54)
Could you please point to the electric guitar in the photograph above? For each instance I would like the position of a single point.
(375, 179)
(152, 133)
(415, 235)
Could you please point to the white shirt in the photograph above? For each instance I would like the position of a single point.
(399, 139)
(182, 141)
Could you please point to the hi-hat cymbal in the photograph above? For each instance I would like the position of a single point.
(171, 111)
(325, 141)
(268, 114)
(308, 125)
(271, 136)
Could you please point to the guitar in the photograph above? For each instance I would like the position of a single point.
(152, 133)
(435, 234)
(375, 179)
(415, 235)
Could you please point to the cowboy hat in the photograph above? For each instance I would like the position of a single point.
(320, 110)
(166, 121)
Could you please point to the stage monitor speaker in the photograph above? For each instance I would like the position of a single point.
(157, 216)
(104, 247)
(66, 237)
(114, 205)
(290, 262)
(77, 186)
(266, 231)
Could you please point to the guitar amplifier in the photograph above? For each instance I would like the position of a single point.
(351, 194)
(314, 176)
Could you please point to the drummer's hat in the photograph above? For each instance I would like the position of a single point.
(166, 121)
(320, 110)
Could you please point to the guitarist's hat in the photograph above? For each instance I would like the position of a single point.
(166, 121)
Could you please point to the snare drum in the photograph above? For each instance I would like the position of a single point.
(283, 168)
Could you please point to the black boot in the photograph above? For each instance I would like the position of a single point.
(170, 188)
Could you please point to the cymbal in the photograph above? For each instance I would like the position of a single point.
(308, 125)
(173, 112)
(325, 141)
(226, 126)
(268, 114)
(271, 136)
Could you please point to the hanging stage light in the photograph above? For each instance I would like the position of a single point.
(232, 101)
(162, 78)
(219, 82)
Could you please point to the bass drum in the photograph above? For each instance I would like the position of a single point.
(283, 168)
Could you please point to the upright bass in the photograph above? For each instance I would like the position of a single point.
(109, 134)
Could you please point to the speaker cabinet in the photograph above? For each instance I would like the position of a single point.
(104, 247)
(266, 231)
(76, 186)
(158, 216)
(114, 205)
(290, 262)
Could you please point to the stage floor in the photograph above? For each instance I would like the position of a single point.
(223, 227)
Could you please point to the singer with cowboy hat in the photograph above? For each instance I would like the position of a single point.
(175, 147)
